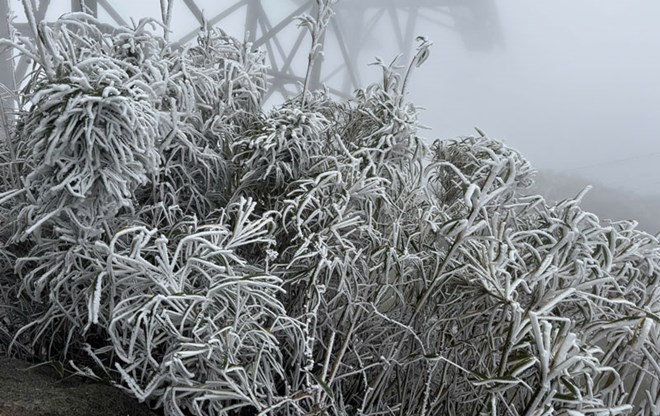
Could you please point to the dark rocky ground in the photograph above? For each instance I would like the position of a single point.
(40, 391)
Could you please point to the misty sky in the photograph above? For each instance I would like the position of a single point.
(575, 86)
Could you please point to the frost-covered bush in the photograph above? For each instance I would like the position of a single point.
(280, 151)
(87, 142)
(164, 233)
(194, 324)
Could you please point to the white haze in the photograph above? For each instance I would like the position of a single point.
(576, 88)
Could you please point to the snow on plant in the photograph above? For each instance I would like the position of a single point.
(89, 136)
(316, 27)
(195, 325)
(532, 281)
(213, 259)
(225, 75)
(91, 141)
(211, 90)
(280, 151)
(87, 141)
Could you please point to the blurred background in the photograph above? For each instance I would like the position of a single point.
(574, 85)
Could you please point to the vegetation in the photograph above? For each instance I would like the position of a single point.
(162, 232)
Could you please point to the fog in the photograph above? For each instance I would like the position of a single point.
(575, 88)
(572, 84)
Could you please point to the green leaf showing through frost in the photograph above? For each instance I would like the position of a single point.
(324, 386)
(575, 392)
(522, 365)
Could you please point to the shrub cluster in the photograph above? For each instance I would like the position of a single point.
(162, 232)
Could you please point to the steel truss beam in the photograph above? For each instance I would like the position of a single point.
(475, 21)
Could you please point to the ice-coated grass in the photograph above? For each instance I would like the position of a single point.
(162, 232)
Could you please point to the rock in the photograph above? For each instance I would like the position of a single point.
(38, 391)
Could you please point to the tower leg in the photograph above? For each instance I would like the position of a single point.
(6, 62)
(87, 6)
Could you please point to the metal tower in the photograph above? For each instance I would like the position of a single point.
(271, 25)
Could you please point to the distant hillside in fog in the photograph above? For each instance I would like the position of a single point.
(607, 203)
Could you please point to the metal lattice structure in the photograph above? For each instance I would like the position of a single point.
(271, 26)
